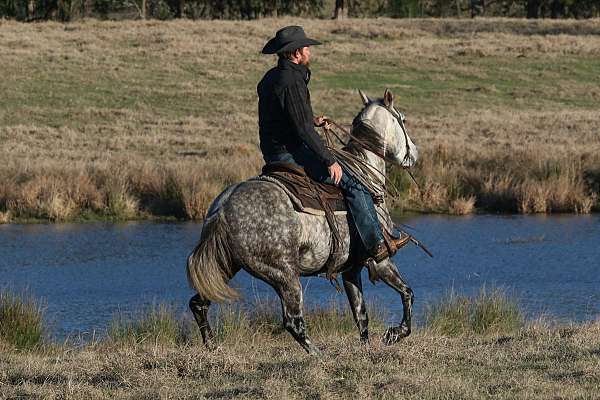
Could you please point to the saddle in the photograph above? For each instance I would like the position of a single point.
(310, 196)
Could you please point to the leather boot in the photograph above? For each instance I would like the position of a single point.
(388, 247)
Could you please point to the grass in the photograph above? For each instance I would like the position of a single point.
(158, 355)
(157, 324)
(142, 119)
(491, 313)
(21, 321)
(160, 323)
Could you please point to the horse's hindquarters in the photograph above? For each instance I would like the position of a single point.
(263, 226)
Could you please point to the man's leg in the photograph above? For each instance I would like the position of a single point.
(362, 210)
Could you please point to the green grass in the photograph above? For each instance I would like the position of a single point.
(491, 82)
(139, 85)
(21, 320)
(490, 313)
(157, 324)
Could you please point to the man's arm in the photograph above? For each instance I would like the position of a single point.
(298, 110)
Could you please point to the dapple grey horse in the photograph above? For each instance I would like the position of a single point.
(253, 226)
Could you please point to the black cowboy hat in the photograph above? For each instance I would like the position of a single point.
(288, 39)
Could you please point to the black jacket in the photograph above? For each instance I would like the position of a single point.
(285, 116)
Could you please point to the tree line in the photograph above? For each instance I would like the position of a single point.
(67, 10)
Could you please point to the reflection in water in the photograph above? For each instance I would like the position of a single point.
(86, 273)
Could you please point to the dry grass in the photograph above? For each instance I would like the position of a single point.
(472, 348)
(462, 206)
(135, 119)
(536, 362)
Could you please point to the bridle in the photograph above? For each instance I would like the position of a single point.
(407, 157)
(400, 118)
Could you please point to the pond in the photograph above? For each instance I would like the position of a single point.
(88, 273)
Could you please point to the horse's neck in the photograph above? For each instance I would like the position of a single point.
(374, 161)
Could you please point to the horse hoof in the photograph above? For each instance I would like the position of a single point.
(210, 345)
(315, 352)
(395, 334)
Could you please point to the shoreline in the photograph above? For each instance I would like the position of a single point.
(173, 219)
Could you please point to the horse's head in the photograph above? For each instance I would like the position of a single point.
(380, 118)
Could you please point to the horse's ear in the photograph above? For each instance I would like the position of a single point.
(388, 98)
(365, 99)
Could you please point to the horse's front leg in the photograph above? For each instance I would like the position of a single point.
(354, 291)
(387, 272)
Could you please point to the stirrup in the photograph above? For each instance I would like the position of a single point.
(402, 240)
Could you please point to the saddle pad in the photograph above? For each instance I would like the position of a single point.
(298, 204)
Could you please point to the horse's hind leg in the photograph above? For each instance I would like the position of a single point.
(388, 272)
(293, 319)
(199, 307)
(354, 291)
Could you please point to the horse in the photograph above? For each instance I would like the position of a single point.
(253, 226)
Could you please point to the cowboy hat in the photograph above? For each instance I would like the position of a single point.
(288, 39)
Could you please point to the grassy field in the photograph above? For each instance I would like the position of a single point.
(494, 355)
(137, 119)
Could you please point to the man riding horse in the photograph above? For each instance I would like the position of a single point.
(255, 225)
(287, 134)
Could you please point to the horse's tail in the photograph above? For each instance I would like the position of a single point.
(209, 267)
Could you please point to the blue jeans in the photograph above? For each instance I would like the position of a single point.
(358, 198)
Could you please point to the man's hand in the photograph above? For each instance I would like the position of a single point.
(323, 122)
(335, 172)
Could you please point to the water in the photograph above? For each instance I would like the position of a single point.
(88, 273)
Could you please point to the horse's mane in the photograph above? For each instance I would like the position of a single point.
(363, 129)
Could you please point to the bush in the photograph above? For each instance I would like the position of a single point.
(21, 320)
(492, 312)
